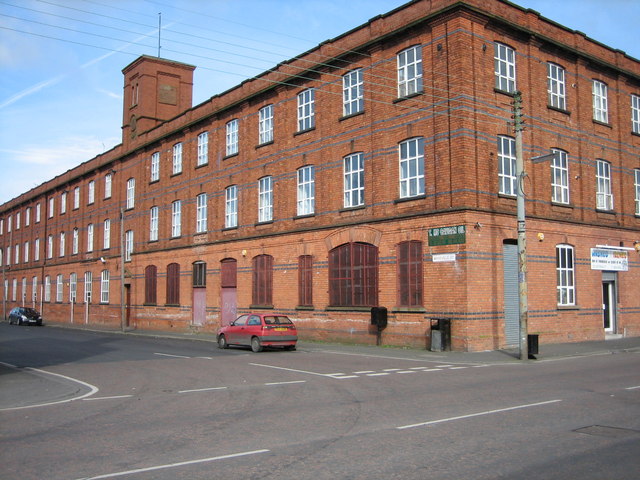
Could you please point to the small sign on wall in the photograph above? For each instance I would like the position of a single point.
(444, 257)
(447, 235)
(609, 259)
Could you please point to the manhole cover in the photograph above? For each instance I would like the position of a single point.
(610, 432)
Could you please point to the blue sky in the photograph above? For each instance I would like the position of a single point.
(62, 60)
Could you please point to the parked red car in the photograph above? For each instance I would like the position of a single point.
(259, 330)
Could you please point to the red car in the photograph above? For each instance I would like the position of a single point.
(259, 330)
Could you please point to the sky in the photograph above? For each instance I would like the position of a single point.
(62, 60)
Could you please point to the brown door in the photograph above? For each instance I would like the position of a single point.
(228, 293)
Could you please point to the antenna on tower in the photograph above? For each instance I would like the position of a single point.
(159, 31)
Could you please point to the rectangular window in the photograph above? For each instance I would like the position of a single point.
(177, 159)
(265, 125)
(410, 71)
(47, 288)
(91, 193)
(59, 289)
(600, 108)
(635, 114)
(26, 252)
(155, 167)
(262, 280)
(556, 86)
(565, 276)
(104, 286)
(62, 244)
(27, 218)
(231, 207)
(507, 166)
(17, 254)
(106, 238)
(504, 61)
(76, 198)
(34, 289)
(604, 195)
(411, 161)
(203, 149)
(354, 180)
(131, 192)
(352, 92)
(201, 213)
(74, 241)
(306, 190)
(88, 284)
(63, 203)
(199, 274)
(128, 245)
(265, 199)
(306, 110)
(153, 224)
(37, 213)
(50, 246)
(560, 177)
(90, 237)
(305, 280)
(1, 226)
(14, 289)
(9, 223)
(232, 137)
(150, 285)
(36, 250)
(176, 218)
(107, 185)
(8, 255)
(51, 207)
(173, 284)
(73, 287)
(18, 221)
(637, 189)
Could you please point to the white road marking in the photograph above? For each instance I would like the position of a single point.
(295, 370)
(113, 397)
(632, 388)
(170, 355)
(488, 412)
(286, 383)
(406, 371)
(173, 465)
(207, 389)
(444, 366)
(432, 370)
(362, 372)
(456, 368)
(206, 358)
(377, 374)
(417, 368)
(391, 369)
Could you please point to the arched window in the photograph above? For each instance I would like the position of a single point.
(262, 280)
(228, 273)
(353, 275)
(305, 280)
(150, 285)
(173, 284)
(410, 273)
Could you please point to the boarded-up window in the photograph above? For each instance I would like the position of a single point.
(410, 273)
(228, 273)
(353, 275)
(199, 274)
(305, 278)
(150, 285)
(173, 284)
(262, 280)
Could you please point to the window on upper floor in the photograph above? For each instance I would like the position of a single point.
(231, 137)
(63, 203)
(201, 213)
(560, 177)
(262, 291)
(504, 60)
(131, 193)
(635, 114)
(411, 162)
(410, 71)
(107, 185)
(265, 199)
(565, 275)
(36, 250)
(90, 237)
(176, 219)
(74, 241)
(26, 252)
(9, 223)
(18, 221)
(353, 180)
(91, 194)
(231, 207)
(1, 226)
(203, 149)
(600, 101)
(62, 243)
(76, 198)
(556, 87)
(50, 246)
(265, 125)
(154, 171)
(507, 166)
(177, 159)
(409, 271)
(637, 189)
(27, 218)
(604, 194)
(128, 245)
(17, 254)
(106, 237)
(51, 207)
(306, 199)
(352, 92)
(37, 213)
(306, 110)
(153, 224)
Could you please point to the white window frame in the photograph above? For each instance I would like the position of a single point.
(47, 288)
(73, 287)
(176, 219)
(409, 63)
(75, 237)
(34, 289)
(51, 206)
(38, 212)
(91, 195)
(411, 167)
(27, 218)
(104, 286)
(26, 252)
(76, 198)
(201, 213)
(306, 109)
(203, 149)
(50, 246)
(560, 177)
(106, 234)
(637, 190)
(265, 124)
(62, 244)
(231, 137)
(59, 288)
(155, 167)
(507, 179)
(107, 185)
(153, 224)
(265, 199)
(63, 203)
(36, 250)
(504, 61)
(306, 198)
(231, 206)
(177, 159)
(635, 114)
(88, 286)
(128, 243)
(14, 289)
(600, 101)
(9, 223)
(352, 92)
(556, 86)
(131, 193)
(17, 254)
(90, 237)
(604, 194)
(353, 180)
(17, 220)
(565, 276)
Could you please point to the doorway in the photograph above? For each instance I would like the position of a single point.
(228, 291)
(511, 294)
(609, 302)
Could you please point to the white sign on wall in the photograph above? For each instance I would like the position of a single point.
(444, 257)
(609, 259)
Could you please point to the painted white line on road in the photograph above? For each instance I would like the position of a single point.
(391, 369)
(406, 371)
(206, 358)
(444, 366)
(170, 355)
(457, 368)
(174, 465)
(488, 412)
(202, 389)
(378, 374)
(632, 388)
(295, 370)
(362, 372)
(432, 370)
(113, 397)
(286, 383)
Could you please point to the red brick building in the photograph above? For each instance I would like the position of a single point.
(377, 169)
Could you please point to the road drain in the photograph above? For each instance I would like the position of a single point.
(610, 432)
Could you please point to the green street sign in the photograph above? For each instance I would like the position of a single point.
(447, 235)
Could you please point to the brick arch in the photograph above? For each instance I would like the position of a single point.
(353, 234)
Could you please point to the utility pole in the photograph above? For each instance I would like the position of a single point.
(123, 322)
(522, 235)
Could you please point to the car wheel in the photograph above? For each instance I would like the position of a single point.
(222, 342)
(19, 321)
(10, 321)
(256, 346)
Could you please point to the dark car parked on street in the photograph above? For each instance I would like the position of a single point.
(24, 315)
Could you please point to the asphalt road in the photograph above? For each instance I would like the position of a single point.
(87, 405)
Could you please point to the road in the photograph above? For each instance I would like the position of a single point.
(89, 405)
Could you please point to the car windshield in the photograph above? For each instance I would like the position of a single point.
(30, 312)
(277, 320)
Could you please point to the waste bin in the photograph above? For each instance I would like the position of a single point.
(440, 334)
